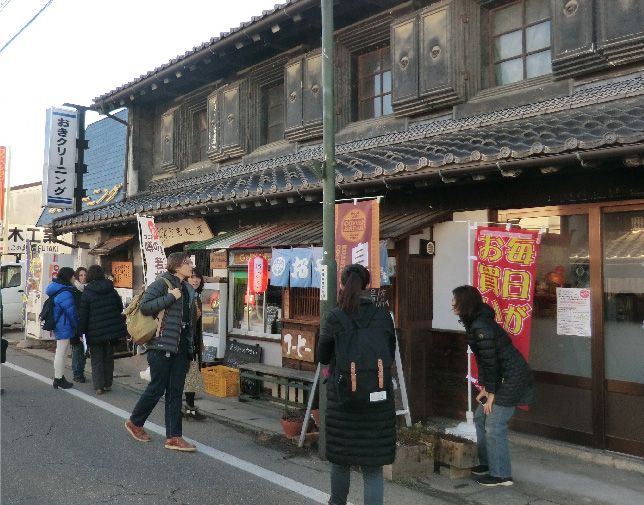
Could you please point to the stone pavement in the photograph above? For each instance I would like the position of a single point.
(546, 472)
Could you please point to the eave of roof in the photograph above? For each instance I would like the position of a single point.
(596, 121)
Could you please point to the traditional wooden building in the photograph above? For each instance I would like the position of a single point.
(457, 112)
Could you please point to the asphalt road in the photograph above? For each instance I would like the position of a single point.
(71, 448)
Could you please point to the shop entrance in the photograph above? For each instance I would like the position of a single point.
(588, 368)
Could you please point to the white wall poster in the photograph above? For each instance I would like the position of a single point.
(154, 259)
(573, 311)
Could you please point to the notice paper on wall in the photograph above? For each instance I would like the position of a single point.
(573, 311)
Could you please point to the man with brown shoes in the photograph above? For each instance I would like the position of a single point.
(169, 352)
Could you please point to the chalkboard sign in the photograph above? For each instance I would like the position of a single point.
(240, 354)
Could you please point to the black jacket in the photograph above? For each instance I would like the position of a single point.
(156, 298)
(357, 437)
(502, 369)
(101, 318)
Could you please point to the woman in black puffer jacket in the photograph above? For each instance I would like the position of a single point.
(101, 320)
(506, 381)
(363, 435)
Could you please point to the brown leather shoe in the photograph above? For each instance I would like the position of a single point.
(137, 432)
(179, 444)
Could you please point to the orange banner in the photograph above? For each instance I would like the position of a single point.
(357, 237)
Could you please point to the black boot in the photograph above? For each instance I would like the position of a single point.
(62, 383)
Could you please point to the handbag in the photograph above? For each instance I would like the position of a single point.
(194, 380)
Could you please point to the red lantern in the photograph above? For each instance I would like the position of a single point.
(257, 274)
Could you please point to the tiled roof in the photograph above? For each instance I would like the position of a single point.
(392, 226)
(214, 40)
(604, 116)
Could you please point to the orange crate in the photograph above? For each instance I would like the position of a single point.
(221, 380)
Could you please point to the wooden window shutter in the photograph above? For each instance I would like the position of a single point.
(404, 60)
(214, 143)
(312, 89)
(227, 119)
(169, 137)
(573, 46)
(293, 92)
(621, 30)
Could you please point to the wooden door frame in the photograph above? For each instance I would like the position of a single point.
(594, 212)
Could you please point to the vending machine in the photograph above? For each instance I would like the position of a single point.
(214, 297)
(41, 269)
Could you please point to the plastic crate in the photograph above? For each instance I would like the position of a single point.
(221, 380)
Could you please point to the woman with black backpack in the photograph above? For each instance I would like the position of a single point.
(102, 321)
(358, 340)
(65, 320)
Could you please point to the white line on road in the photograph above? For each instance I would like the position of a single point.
(274, 478)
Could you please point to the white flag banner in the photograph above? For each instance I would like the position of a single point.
(59, 174)
(154, 260)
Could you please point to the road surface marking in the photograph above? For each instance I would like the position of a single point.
(274, 478)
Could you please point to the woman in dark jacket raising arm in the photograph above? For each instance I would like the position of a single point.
(358, 432)
(506, 381)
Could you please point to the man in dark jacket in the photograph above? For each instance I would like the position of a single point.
(101, 321)
(172, 299)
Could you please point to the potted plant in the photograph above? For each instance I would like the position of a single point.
(292, 421)
(415, 447)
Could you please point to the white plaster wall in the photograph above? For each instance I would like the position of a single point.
(451, 265)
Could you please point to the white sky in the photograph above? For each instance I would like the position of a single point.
(79, 49)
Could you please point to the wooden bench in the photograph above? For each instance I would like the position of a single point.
(288, 378)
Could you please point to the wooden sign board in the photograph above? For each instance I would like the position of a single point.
(298, 344)
(218, 260)
(241, 258)
(122, 273)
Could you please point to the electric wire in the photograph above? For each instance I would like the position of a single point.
(25, 27)
(4, 4)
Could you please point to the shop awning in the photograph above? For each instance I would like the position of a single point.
(309, 233)
(111, 244)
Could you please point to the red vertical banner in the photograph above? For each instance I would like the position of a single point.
(357, 237)
(504, 272)
(3, 168)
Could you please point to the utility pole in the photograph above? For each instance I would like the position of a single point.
(328, 291)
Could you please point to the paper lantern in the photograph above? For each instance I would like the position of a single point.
(257, 275)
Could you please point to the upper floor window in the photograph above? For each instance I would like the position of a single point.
(520, 41)
(199, 136)
(374, 84)
(273, 113)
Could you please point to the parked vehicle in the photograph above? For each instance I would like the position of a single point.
(12, 283)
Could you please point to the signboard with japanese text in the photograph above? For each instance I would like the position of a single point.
(357, 237)
(218, 259)
(573, 312)
(154, 259)
(182, 231)
(298, 344)
(240, 258)
(122, 274)
(59, 174)
(504, 272)
(40, 240)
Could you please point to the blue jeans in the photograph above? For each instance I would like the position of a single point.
(78, 360)
(492, 438)
(168, 374)
(341, 478)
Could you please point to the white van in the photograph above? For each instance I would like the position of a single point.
(12, 283)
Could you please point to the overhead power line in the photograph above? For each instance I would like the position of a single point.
(28, 23)
(3, 4)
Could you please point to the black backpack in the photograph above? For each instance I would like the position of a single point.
(363, 361)
(46, 317)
